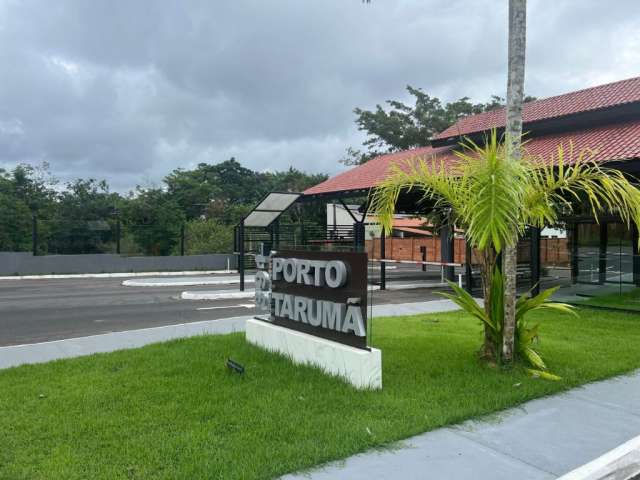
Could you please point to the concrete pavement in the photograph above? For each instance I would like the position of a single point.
(541, 439)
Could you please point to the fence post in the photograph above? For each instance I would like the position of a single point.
(447, 249)
(118, 233)
(182, 240)
(34, 234)
(358, 236)
(383, 265)
(241, 254)
(535, 260)
(468, 269)
(423, 251)
(303, 240)
(602, 258)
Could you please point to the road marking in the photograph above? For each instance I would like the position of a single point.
(245, 305)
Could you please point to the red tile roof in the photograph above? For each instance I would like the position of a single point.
(619, 141)
(374, 171)
(589, 99)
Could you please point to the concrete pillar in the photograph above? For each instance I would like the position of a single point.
(241, 254)
(602, 258)
(383, 270)
(535, 259)
(446, 250)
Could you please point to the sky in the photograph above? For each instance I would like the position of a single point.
(127, 91)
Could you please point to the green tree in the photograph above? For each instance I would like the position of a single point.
(493, 199)
(24, 191)
(208, 236)
(227, 191)
(154, 220)
(402, 126)
(227, 182)
(84, 218)
(15, 224)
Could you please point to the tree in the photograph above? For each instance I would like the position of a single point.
(227, 190)
(208, 236)
(228, 182)
(24, 191)
(154, 219)
(83, 220)
(15, 224)
(494, 199)
(513, 134)
(402, 127)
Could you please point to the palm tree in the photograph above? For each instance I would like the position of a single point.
(513, 131)
(494, 200)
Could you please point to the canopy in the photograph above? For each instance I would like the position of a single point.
(270, 208)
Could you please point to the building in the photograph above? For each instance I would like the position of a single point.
(604, 118)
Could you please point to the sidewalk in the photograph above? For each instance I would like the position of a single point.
(541, 439)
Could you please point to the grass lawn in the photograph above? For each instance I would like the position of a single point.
(172, 410)
(629, 300)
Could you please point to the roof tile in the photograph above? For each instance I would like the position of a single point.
(589, 99)
(611, 142)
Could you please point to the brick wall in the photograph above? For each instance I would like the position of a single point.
(553, 251)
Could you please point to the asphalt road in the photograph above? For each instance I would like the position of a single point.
(33, 311)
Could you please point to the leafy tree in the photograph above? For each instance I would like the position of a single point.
(493, 199)
(15, 224)
(208, 236)
(154, 220)
(402, 126)
(84, 218)
(24, 191)
(227, 191)
(81, 216)
(228, 182)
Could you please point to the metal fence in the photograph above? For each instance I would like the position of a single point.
(61, 236)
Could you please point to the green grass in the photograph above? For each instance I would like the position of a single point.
(172, 410)
(629, 300)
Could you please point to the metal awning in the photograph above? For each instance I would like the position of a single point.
(270, 208)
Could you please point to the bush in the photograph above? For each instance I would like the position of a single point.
(207, 236)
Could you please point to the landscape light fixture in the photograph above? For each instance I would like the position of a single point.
(235, 366)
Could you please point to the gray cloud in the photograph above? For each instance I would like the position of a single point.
(128, 91)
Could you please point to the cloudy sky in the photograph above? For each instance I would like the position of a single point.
(129, 90)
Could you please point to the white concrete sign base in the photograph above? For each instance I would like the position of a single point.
(361, 368)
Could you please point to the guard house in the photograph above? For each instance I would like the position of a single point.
(604, 118)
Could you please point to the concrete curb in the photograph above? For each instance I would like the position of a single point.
(621, 463)
(116, 275)
(185, 283)
(216, 295)
(15, 355)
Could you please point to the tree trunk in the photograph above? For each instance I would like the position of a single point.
(513, 131)
(489, 350)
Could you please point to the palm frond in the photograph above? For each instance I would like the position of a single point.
(566, 179)
(491, 215)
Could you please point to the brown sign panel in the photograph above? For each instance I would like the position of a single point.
(322, 294)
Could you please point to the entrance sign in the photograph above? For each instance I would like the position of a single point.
(319, 293)
(313, 309)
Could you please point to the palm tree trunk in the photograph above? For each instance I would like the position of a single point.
(515, 93)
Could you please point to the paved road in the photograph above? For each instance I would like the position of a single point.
(34, 311)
